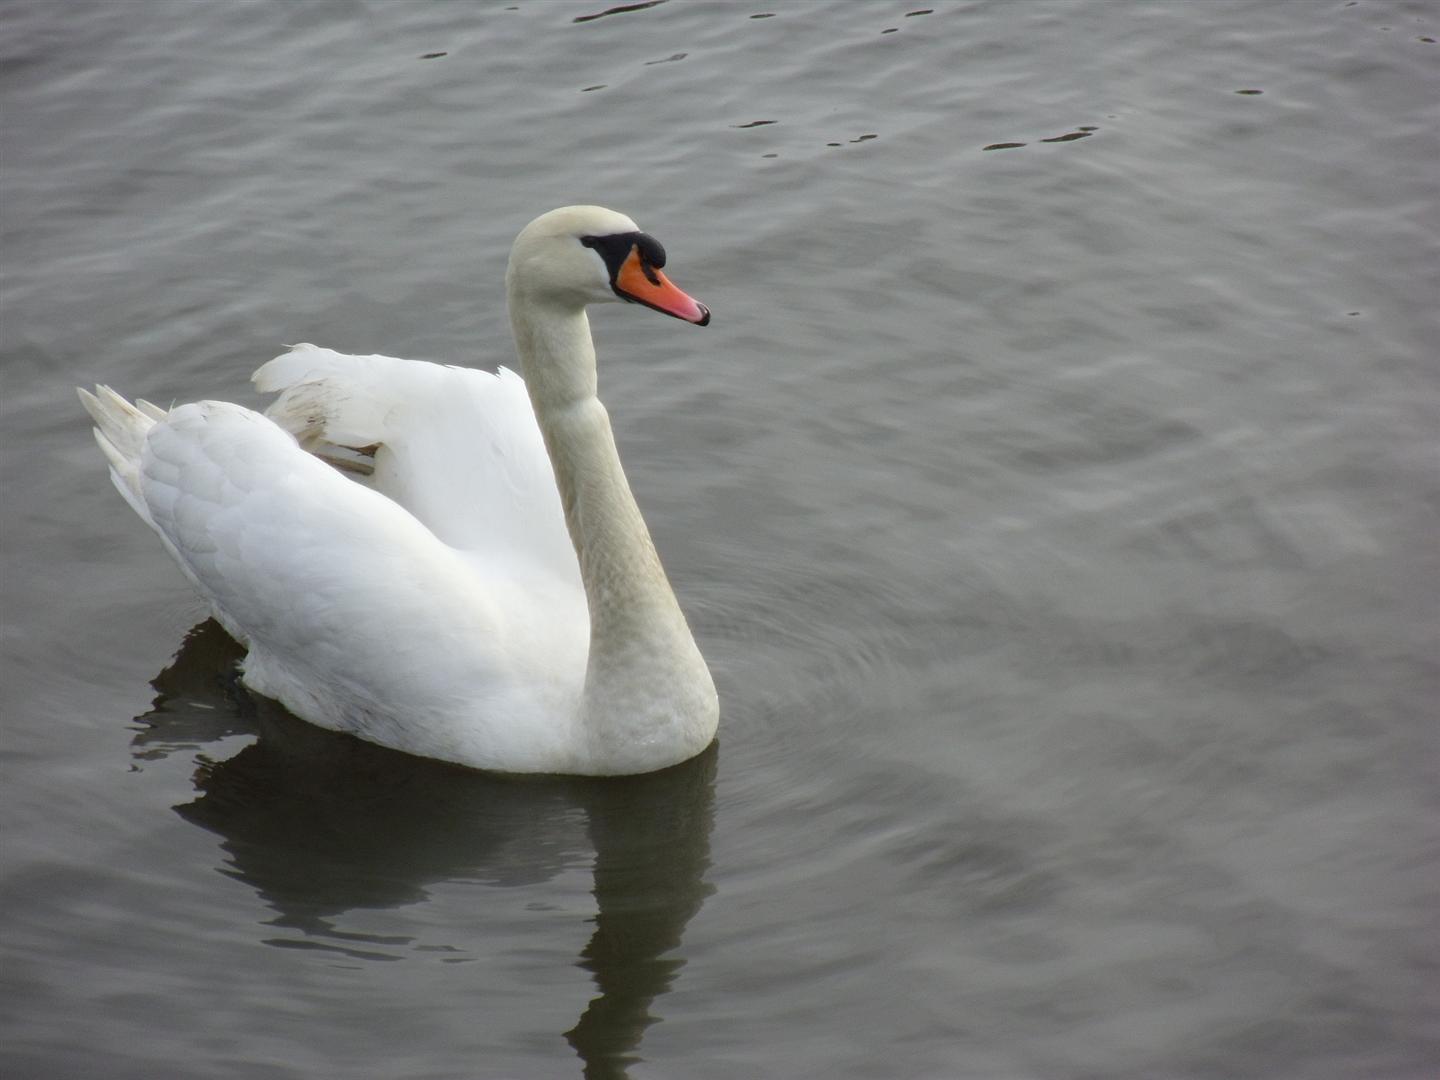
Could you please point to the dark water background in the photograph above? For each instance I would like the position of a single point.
(1059, 520)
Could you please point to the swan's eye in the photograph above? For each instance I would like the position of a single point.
(611, 249)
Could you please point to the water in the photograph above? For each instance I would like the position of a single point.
(1058, 520)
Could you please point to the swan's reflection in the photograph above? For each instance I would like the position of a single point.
(320, 824)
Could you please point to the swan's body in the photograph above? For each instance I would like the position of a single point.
(493, 597)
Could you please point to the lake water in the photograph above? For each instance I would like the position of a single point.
(1054, 495)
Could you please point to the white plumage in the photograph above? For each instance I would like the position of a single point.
(491, 596)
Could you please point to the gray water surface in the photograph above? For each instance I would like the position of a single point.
(1054, 496)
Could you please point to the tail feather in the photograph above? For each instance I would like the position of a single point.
(150, 409)
(120, 431)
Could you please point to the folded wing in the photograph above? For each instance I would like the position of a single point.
(457, 447)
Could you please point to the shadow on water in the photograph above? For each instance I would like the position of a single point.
(319, 824)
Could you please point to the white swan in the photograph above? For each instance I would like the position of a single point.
(493, 598)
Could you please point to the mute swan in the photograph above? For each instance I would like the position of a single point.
(493, 597)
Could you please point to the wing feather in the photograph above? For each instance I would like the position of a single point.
(457, 447)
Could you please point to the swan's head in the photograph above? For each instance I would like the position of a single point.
(580, 255)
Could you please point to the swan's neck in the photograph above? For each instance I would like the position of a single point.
(648, 693)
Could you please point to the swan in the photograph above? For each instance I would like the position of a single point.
(489, 594)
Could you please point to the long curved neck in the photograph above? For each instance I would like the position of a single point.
(624, 582)
(643, 664)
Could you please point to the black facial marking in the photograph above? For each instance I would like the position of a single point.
(616, 248)
(650, 250)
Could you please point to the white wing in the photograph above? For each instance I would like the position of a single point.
(457, 447)
(357, 614)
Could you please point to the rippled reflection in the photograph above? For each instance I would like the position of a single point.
(319, 824)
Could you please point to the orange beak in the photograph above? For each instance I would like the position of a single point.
(644, 284)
